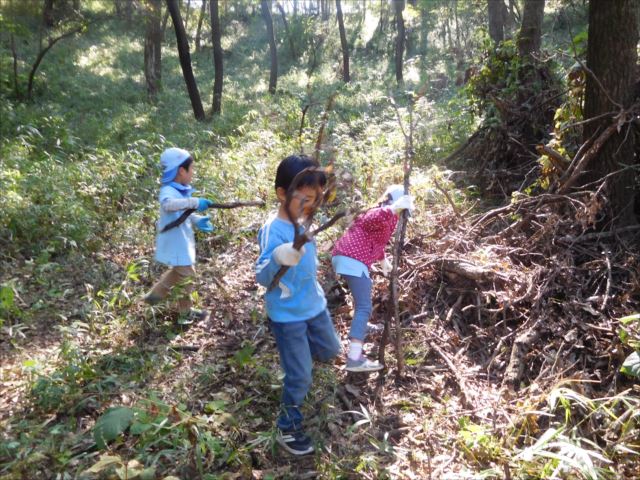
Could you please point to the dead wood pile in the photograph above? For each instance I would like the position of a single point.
(502, 150)
(524, 291)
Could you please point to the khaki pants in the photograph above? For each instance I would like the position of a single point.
(183, 276)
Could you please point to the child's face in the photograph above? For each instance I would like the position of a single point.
(303, 200)
(185, 175)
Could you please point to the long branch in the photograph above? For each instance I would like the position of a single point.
(44, 51)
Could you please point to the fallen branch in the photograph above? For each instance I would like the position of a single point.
(181, 219)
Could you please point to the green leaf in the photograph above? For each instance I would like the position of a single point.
(110, 425)
(631, 365)
(215, 406)
(138, 428)
(630, 318)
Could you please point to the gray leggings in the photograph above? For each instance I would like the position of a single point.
(361, 290)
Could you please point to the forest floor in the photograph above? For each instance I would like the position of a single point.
(450, 415)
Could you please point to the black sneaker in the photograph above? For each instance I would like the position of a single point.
(295, 442)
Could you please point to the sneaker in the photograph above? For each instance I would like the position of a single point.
(295, 442)
(374, 328)
(193, 315)
(363, 364)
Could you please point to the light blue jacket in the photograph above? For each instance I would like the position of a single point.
(298, 296)
(175, 247)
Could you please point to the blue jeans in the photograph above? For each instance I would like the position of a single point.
(361, 290)
(299, 343)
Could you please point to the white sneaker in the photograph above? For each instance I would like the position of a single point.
(363, 364)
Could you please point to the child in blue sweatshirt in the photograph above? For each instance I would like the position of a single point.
(297, 308)
(176, 247)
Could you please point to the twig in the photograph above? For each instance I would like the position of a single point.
(299, 239)
(181, 219)
(609, 281)
(323, 124)
(446, 194)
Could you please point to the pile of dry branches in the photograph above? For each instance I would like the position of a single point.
(502, 150)
(523, 291)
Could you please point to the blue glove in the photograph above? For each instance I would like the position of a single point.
(204, 225)
(203, 204)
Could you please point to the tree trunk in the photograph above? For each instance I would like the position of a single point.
(612, 57)
(165, 21)
(266, 15)
(16, 90)
(343, 41)
(286, 29)
(216, 36)
(496, 21)
(203, 9)
(399, 7)
(42, 53)
(185, 60)
(186, 17)
(153, 47)
(530, 34)
(47, 13)
(128, 11)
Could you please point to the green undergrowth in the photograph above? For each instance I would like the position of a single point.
(103, 392)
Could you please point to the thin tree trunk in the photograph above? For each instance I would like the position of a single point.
(15, 67)
(268, 21)
(185, 60)
(42, 53)
(47, 13)
(286, 29)
(496, 22)
(153, 47)
(165, 20)
(530, 35)
(216, 36)
(203, 9)
(186, 17)
(128, 11)
(611, 59)
(345, 46)
(399, 7)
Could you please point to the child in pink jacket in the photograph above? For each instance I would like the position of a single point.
(354, 253)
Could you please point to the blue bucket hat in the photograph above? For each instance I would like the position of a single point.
(170, 161)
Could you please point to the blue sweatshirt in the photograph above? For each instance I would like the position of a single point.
(176, 247)
(298, 296)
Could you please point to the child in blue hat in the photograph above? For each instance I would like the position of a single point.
(175, 246)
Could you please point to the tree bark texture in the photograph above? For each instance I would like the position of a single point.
(343, 42)
(495, 9)
(530, 34)
(268, 21)
(153, 47)
(399, 8)
(611, 58)
(216, 36)
(185, 60)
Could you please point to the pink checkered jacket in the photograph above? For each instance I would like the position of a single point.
(367, 236)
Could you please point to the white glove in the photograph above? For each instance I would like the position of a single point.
(285, 254)
(386, 266)
(405, 202)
